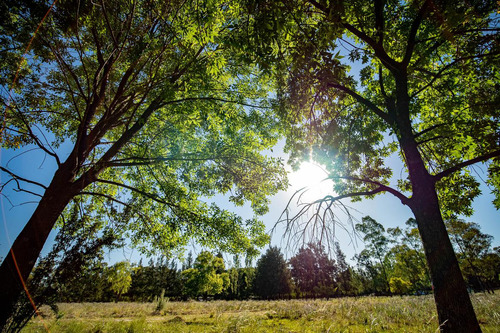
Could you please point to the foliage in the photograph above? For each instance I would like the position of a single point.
(154, 279)
(408, 257)
(144, 111)
(344, 273)
(119, 276)
(478, 263)
(272, 276)
(373, 257)
(424, 89)
(399, 286)
(405, 259)
(207, 277)
(313, 272)
(241, 282)
(90, 282)
(77, 253)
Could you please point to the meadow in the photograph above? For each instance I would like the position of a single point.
(350, 314)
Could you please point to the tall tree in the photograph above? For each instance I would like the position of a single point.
(150, 281)
(427, 90)
(472, 246)
(157, 117)
(409, 258)
(377, 247)
(313, 272)
(207, 277)
(120, 277)
(344, 274)
(272, 276)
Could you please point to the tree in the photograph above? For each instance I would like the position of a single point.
(240, 283)
(119, 276)
(376, 246)
(408, 258)
(426, 92)
(157, 116)
(272, 276)
(344, 274)
(399, 286)
(207, 277)
(64, 270)
(150, 281)
(472, 246)
(313, 272)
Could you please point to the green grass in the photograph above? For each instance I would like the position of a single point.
(361, 314)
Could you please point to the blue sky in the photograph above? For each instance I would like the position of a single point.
(385, 208)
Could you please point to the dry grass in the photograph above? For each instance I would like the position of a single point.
(362, 314)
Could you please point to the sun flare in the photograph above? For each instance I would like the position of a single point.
(313, 178)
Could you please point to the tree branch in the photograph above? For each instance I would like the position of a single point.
(379, 112)
(13, 175)
(136, 190)
(404, 199)
(377, 48)
(416, 135)
(462, 165)
(431, 139)
(35, 138)
(413, 33)
(448, 66)
(109, 197)
(379, 20)
(381, 82)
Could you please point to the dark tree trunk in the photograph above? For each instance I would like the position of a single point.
(21, 259)
(454, 307)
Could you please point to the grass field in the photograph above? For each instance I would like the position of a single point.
(362, 314)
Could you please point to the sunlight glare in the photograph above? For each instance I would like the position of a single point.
(314, 178)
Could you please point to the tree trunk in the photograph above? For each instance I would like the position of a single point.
(21, 259)
(454, 307)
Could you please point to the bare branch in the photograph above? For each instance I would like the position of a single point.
(13, 175)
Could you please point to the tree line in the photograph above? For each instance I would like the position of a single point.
(392, 263)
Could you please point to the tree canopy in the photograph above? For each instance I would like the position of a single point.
(165, 104)
(158, 116)
(272, 276)
(426, 91)
(207, 277)
(313, 272)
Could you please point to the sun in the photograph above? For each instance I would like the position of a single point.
(313, 178)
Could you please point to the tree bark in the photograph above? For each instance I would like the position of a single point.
(21, 259)
(454, 307)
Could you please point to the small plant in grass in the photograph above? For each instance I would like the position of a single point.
(161, 302)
